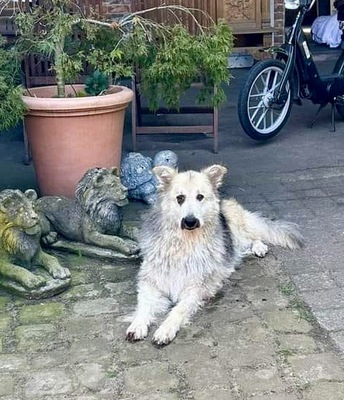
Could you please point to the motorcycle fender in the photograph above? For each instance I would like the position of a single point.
(282, 54)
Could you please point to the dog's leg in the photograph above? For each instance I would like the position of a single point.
(150, 303)
(179, 315)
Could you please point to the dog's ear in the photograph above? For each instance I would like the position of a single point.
(164, 175)
(216, 174)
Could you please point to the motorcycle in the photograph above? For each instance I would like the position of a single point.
(274, 85)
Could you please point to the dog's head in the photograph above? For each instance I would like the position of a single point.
(190, 199)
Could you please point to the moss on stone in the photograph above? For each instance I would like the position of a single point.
(4, 323)
(40, 313)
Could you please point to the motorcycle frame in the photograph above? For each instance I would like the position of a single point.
(300, 66)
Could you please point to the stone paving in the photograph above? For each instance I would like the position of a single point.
(276, 331)
(256, 340)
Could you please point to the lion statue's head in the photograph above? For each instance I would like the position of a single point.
(100, 193)
(20, 228)
(17, 211)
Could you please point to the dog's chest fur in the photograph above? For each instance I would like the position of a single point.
(176, 260)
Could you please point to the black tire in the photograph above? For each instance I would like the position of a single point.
(247, 96)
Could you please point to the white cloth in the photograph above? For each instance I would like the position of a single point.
(325, 29)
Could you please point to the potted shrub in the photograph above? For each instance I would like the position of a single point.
(66, 125)
(12, 108)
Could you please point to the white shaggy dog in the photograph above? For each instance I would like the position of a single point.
(191, 242)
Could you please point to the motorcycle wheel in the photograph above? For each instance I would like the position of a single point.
(260, 119)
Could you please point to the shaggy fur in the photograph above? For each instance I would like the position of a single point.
(191, 242)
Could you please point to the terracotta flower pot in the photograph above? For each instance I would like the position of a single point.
(67, 136)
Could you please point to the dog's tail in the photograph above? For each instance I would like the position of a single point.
(282, 233)
(249, 226)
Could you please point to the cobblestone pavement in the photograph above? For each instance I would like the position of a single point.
(255, 340)
(276, 331)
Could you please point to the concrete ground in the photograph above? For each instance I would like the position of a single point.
(276, 330)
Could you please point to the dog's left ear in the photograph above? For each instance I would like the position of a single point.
(164, 175)
(216, 174)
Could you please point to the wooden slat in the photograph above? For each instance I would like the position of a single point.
(212, 8)
(148, 130)
(182, 110)
(220, 10)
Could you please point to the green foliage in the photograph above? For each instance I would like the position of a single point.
(49, 30)
(168, 59)
(11, 105)
(170, 64)
(106, 53)
(96, 84)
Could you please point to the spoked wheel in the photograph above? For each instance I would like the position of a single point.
(260, 117)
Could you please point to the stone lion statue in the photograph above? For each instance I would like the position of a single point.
(20, 234)
(94, 217)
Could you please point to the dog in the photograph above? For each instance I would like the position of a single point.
(191, 242)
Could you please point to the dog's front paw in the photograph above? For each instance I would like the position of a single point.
(136, 331)
(259, 249)
(164, 335)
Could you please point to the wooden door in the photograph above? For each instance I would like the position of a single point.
(248, 15)
(245, 15)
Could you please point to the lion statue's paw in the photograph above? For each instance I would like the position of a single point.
(50, 238)
(33, 281)
(131, 247)
(59, 272)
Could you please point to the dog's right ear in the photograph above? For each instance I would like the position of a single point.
(164, 175)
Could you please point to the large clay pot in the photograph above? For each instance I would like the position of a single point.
(67, 136)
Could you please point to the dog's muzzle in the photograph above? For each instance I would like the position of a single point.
(190, 222)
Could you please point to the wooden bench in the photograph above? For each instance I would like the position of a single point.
(139, 128)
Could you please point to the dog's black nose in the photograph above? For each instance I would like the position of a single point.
(190, 222)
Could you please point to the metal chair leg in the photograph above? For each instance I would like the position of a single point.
(310, 125)
(333, 117)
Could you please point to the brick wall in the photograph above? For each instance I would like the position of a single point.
(279, 21)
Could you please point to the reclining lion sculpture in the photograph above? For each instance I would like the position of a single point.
(20, 249)
(94, 217)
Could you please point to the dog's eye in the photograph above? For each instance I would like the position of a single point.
(200, 197)
(180, 199)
